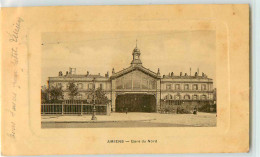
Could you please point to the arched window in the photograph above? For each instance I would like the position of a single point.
(168, 97)
(187, 97)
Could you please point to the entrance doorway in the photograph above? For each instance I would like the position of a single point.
(135, 103)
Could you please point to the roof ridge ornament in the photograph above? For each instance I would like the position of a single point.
(136, 56)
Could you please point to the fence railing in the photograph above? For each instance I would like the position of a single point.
(70, 109)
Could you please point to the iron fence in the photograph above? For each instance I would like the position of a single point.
(73, 109)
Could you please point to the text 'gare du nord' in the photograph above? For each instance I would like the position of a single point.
(135, 89)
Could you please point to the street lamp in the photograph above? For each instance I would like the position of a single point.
(94, 105)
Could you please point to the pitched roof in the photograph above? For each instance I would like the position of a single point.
(132, 68)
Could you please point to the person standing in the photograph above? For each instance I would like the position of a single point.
(195, 110)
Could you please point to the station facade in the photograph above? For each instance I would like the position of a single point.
(139, 89)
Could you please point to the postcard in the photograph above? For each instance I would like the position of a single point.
(141, 79)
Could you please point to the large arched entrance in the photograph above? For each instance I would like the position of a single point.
(135, 103)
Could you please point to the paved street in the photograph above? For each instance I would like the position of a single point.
(134, 119)
(109, 125)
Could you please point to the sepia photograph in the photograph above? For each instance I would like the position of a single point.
(128, 79)
(125, 79)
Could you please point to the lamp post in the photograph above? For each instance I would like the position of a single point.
(94, 105)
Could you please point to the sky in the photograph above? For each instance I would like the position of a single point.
(99, 52)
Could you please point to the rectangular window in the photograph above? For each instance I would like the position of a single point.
(203, 87)
(186, 87)
(186, 97)
(168, 87)
(203, 97)
(195, 87)
(91, 86)
(80, 85)
(177, 87)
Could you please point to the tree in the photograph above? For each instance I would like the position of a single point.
(56, 93)
(100, 96)
(44, 95)
(73, 90)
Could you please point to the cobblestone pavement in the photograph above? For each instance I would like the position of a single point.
(142, 119)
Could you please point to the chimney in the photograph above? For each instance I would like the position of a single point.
(158, 72)
(107, 74)
(72, 70)
(163, 76)
(202, 74)
(196, 74)
(180, 73)
(67, 72)
(186, 74)
(87, 73)
(113, 71)
(172, 74)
